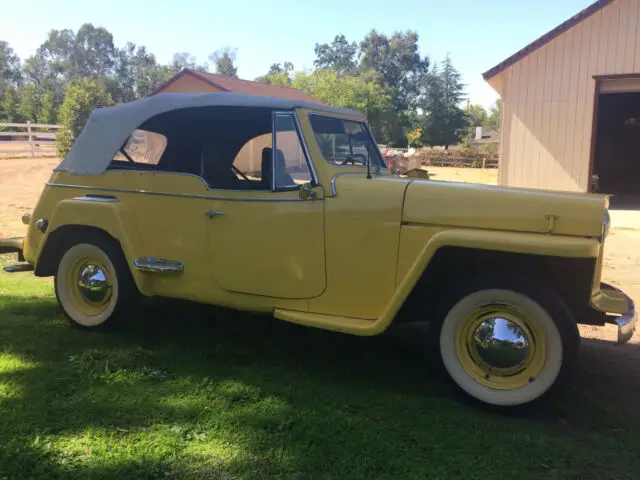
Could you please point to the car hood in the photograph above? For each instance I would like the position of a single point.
(500, 208)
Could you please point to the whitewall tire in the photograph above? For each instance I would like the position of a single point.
(507, 344)
(93, 283)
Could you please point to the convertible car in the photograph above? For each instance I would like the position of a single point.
(288, 208)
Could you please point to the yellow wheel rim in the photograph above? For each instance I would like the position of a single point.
(501, 347)
(89, 285)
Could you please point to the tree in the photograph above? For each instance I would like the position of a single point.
(47, 112)
(82, 96)
(495, 116)
(401, 73)
(340, 55)
(29, 102)
(10, 73)
(183, 60)
(224, 62)
(9, 105)
(278, 75)
(477, 116)
(70, 55)
(358, 92)
(444, 122)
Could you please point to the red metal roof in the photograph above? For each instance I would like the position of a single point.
(237, 85)
(546, 38)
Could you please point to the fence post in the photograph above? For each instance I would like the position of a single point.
(484, 163)
(30, 140)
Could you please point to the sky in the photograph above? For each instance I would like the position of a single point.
(476, 35)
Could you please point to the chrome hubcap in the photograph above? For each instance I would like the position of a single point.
(94, 284)
(501, 344)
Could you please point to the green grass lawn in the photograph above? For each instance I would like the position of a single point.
(186, 391)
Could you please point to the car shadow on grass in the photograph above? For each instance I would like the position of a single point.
(190, 391)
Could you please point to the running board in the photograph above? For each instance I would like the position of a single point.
(158, 265)
(21, 267)
(355, 326)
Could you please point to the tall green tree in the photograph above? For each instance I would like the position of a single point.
(477, 116)
(47, 113)
(278, 75)
(224, 62)
(10, 72)
(82, 96)
(29, 102)
(9, 105)
(495, 116)
(360, 92)
(444, 123)
(401, 73)
(340, 55)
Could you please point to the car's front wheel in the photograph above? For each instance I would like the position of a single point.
(507, 343)
(93, 283)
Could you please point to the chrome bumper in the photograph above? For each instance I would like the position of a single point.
(627, 323)
(611, 300)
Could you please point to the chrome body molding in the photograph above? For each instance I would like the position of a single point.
(335, 179)
(20, 267)
(97, 198)
(181, 195)
(158, 265)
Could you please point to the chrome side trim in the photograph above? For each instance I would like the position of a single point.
(335, 179)
(158, 265)
(98, 198)
(181, 195)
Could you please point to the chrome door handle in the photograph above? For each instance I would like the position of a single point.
(214, 213)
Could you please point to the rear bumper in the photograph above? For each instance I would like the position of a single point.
(619, 308)
(11, 245)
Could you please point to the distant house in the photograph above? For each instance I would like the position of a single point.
(191, 81)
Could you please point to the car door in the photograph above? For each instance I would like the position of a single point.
(270, 242)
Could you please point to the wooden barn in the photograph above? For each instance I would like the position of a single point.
(571, 104)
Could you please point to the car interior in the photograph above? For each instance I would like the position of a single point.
(205, 141)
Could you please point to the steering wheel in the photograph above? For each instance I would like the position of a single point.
(355, 157)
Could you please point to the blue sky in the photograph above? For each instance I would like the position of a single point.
(477, 35)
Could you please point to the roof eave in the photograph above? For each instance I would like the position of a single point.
(546, 38)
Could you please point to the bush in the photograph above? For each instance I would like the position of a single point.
(81, 97)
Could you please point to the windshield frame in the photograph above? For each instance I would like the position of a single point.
(363, 121)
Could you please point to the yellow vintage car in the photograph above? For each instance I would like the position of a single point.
(288, 208)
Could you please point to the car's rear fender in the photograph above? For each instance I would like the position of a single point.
(71, 214)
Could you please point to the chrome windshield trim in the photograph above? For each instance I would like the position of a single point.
(181, 195)
(335, 179)
(314, 174)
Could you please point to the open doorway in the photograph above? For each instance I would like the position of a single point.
(616, 168)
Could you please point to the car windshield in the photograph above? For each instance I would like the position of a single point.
(345, 142)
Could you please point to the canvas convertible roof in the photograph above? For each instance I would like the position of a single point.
(109, 128)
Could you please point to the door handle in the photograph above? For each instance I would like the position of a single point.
(214, 213)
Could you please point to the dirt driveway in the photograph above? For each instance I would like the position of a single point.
(609, 372)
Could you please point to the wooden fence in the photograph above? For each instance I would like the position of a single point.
(28, 138)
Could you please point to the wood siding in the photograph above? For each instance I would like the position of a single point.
(548, 99)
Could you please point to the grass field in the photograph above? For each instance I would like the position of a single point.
(186, 391)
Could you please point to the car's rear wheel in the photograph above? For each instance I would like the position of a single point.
(508, 343)
(93, 283)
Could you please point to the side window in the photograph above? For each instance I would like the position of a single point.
(290, 163)
(143, 148)
(252, 159)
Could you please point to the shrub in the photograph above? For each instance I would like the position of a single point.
(81, 97)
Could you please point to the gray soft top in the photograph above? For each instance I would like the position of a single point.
(109, 128)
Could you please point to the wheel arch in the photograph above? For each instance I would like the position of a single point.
(60, 239)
